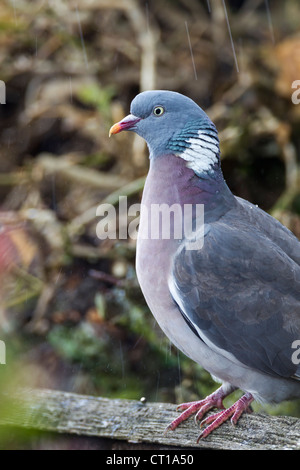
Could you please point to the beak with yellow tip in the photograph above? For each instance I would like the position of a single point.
(126, 124)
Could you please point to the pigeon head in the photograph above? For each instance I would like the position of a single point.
(173, 123)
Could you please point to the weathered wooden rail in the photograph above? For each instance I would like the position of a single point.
(135, 422)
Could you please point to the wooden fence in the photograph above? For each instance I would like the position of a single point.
(140, 425)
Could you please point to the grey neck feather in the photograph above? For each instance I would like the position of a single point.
(198, 144)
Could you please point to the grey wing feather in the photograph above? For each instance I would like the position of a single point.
(241, 294)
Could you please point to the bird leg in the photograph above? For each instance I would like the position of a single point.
(215, 400)
(235, 411)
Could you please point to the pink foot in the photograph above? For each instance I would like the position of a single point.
(235, 410)
(215, 400)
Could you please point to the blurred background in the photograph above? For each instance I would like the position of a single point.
(71, 312)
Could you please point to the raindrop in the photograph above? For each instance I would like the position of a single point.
(191, 50)
(71, 89)
(122, 360)
(53, 184)
(270, 21)
(147, 15)
(230, 35)
(179, 367)
(157, 385)
(82, 39)
(15, 11)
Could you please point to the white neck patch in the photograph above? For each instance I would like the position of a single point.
(201, 152)
(198, 144)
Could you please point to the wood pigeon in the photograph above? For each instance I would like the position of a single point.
(231, 302)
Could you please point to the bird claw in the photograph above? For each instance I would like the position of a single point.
(215, 400)
(234, 411)
(205, 408)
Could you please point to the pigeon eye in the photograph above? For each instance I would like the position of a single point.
(158, 110)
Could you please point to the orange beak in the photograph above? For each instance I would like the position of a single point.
(115, 129)
(126, 124)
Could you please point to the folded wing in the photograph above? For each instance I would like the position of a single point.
(241, 294)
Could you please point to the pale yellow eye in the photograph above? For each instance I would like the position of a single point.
(158, 111)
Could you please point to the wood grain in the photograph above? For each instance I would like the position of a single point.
(137, 422)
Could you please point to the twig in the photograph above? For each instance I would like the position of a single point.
(286, 197)
(79, 174)
(147, 36)
(113, 198)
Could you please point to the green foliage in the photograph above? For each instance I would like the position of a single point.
(99, 160)
(79, 344)
(131, 313)
(296, 204)
(97, 96)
